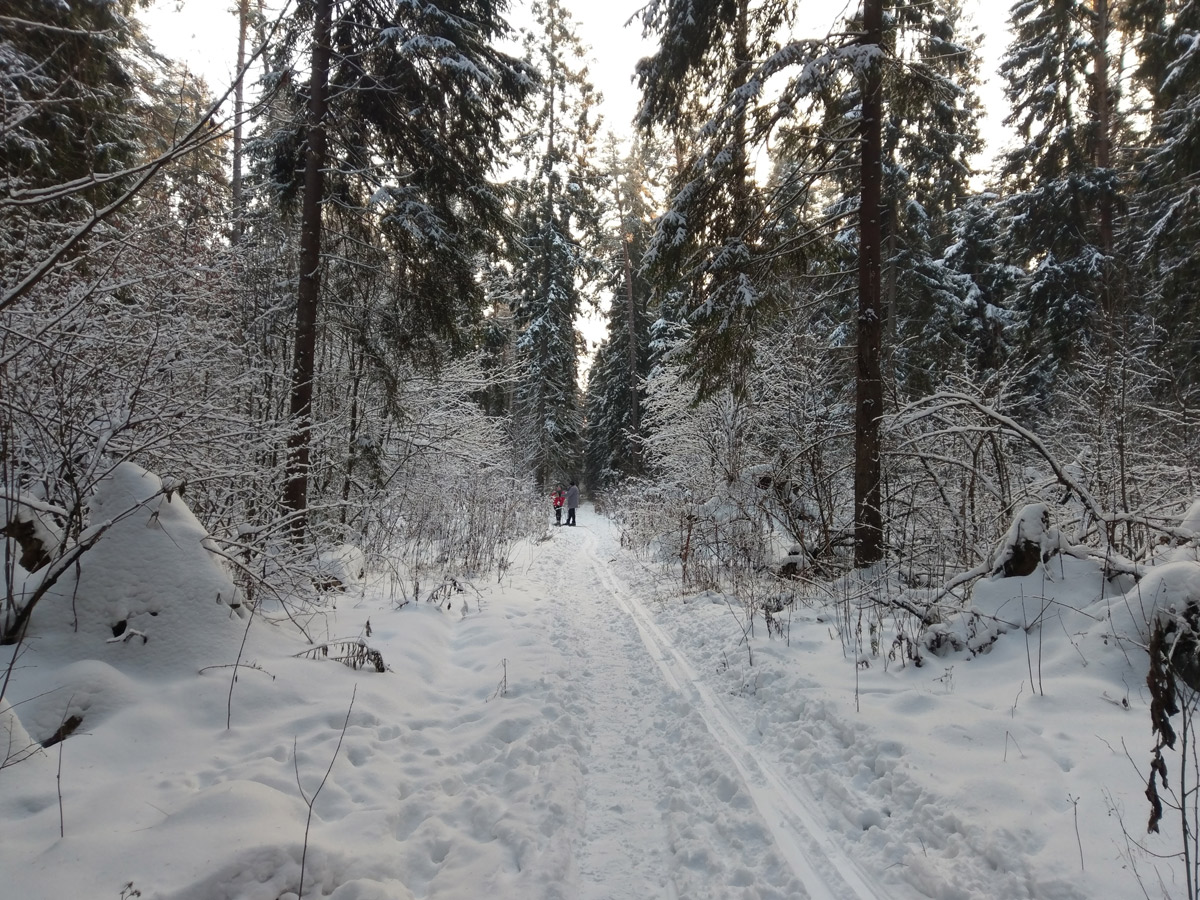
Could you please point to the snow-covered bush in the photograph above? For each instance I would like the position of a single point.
(452, 503)
(145, 591)
(1029, 542)
(341, 567)
(706, 511)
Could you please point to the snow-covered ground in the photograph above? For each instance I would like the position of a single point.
(580, 730)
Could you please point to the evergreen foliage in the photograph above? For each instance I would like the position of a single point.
(1056, 188)
(615, 384)
(1167, 207)
(72, 122)
(700, 88)
(931, 134)
(420, 97)
(558, 213)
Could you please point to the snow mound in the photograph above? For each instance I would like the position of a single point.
(1191, 519)
(1030, 539)
(341, 567)
(90, 689)
(1169, 595)
(14, 739)
(149, 595)
(1181, 549)
(1170, 588)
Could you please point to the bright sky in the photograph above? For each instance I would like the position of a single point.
(203, 34)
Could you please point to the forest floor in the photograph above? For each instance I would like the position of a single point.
(579, 730)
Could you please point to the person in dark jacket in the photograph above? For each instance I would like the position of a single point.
(572, 502)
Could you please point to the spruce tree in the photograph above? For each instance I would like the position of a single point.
(1167, 203)
(418, 98)
(69, 80)
(614, 398)
(558, 215)
(1059, 186)
(977, 318)
(700, 88)
(931, 133)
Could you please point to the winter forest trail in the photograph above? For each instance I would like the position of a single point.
(677, 801)
(576, 730)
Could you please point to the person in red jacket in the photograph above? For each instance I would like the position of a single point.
(559, 497)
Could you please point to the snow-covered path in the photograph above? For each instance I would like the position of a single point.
(621, 842)
(577, 730)
(678, 802)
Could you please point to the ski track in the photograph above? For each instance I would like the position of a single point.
(621, 849)
(678, 802)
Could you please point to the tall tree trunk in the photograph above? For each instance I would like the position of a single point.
(239, 100)
(631, 324)
(1103, 157)
(742, 188)
(868, 494)
(295, 498)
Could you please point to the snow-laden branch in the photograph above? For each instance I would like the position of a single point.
(20, 498)
(936, 403)
(16, 22)
(197, 136)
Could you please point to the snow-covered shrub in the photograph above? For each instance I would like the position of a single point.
(1124, 425)
(1029, 542)
(1169, 596)
(340, 567)
(453, 503)
(706, 511)
(801, 427)
(145, 592)
(638, 506)
(954, 486)
(1184, 544)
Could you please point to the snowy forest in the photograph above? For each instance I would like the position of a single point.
(853, 350)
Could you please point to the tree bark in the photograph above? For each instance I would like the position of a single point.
(868, 513)
(1103, 154)
(295, 498)
(631, 324)
(239, 98)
